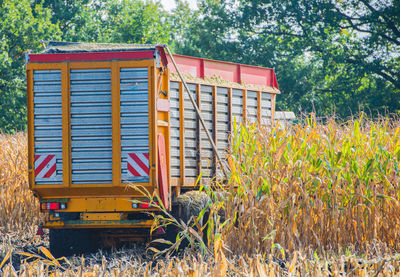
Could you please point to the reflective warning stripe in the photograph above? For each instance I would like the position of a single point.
(45, 166)
(138, 164)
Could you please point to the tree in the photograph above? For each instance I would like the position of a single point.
(137, 21)
(125, 21)
(25, 23)
(353, 43)
(330, 56)
(69, 15)
(208, 32)
(21, 28)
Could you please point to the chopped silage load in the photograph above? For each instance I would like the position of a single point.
(220, 82)
(71, 47)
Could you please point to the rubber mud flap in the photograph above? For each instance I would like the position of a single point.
(162, 171)
(68, 242)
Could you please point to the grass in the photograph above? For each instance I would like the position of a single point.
(313, 200)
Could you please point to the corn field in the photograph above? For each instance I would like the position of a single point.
(324, 187)
(196, 266)
(310, 200)
(19, 209)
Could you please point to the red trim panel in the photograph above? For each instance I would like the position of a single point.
(93, 56)
(164, 59)
(249, 74)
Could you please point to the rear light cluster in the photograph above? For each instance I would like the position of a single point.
(53, 206)
(143, 205)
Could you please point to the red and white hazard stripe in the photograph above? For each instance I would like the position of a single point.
(138, 164)
(45, 166)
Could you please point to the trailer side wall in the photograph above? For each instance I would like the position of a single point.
(220, 107)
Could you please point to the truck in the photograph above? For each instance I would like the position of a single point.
(104, 118)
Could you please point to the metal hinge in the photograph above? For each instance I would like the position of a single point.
(157, 58)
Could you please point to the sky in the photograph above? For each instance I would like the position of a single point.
(170, 4)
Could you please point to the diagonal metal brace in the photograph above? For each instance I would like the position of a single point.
(198, 113)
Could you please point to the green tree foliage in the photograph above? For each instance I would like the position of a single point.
(330, 56)
(70, 15)
(79, 20)
(121, 21)
(21, 28)
(136, 22)
(207, 32)
(25, 23)
(354, 45)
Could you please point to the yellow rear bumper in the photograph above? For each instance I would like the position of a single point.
(67, 224)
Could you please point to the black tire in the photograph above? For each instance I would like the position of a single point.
(68, 242)
(184, 208)
(191, 204)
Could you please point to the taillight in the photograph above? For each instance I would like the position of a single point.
(53, 206)
(144, 205)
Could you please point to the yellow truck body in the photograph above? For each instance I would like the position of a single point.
(96, 112)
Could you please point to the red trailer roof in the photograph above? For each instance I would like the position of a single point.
(93, 56)
(196, 67)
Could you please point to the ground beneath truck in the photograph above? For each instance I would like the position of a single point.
(27, 248)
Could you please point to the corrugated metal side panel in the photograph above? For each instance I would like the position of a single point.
(91, 135)
(47, 121)
(237, 105)
(206, 108)
(134, 100)
(251, 103)
(265, 108)
(174, 129)
(190, 133)
(222, 124)
(222, 119)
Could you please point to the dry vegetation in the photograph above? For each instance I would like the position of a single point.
(19, 209)
(323, 187)
(315, 200)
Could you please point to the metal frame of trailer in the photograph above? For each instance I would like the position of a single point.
(82, 123)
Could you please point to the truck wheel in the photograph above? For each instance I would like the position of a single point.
(68, 242)
(191, 204)
(184, 208)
